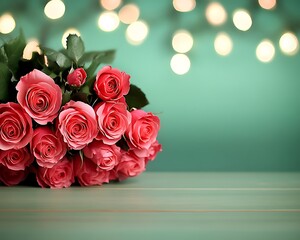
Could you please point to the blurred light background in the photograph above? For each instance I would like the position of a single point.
(223, 76)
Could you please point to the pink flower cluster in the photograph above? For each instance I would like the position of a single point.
(74, 142)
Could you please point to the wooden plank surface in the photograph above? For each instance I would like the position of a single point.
(159, 206)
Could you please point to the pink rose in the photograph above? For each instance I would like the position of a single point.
(113, 120)
(10, 177)
(111, 84)
(47, 147)
(77, 77)
(39, 96)
(16, 159)
(77, 124)
(130, 166)
(143, 130)
(59, 176)
(88, 174)
(15, 126)
(106, 157)
(153, 150)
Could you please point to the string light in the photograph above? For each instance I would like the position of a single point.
(289, 43)
(67, 33)
(265, 51)
(31, 46)
(267, 4)
(110, 4)
(184, 5)
(54, 9)
(180, 64)
(108, 21)
(137, 32)
(7, 23)
(223, 44)
(215, 14)
(242, 19)
(129, 13)
(182, 41)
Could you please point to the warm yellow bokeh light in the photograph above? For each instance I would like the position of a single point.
(7, 23)
(223, 44)
(267, 4)
(108, 21)
(215, 14)
(289, 43)
(184, 5)
(242, 19)
(180, 64)
(110, 4)
(67, 33)
(54, 9)
(265, 51)
(137, 32)
(31, 46)
(129, 13)
(182, 41)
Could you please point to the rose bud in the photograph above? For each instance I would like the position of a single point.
(77, 77)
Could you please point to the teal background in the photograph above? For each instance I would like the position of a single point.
(229, 113)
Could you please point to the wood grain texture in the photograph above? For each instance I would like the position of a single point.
(159, 206)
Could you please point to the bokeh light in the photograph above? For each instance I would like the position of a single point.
(180, 64)
(108, 21)
(129, 13)
(242, 19)
(215, 14)
(289, 43)
(265, 51)
(182, 41)
(184, 5)
(7, 23)
(223, 44)
(110, 4)
(31, 46)
(54, 9)
(267, 4)
(137, 32)
(66, 34)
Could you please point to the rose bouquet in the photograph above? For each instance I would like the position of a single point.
(62, 124)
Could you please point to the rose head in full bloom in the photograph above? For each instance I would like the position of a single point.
(113, 120)
(142, 132)
(77, 77)
(39, 96)
(88, 173)
(10, 177)
(61, 175)
(47, 147)
(130, 166)
(15, 126)
(111, 84)
(16, 159)
(77, 124)
(106, 157)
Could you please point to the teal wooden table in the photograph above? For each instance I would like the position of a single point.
(159, 206)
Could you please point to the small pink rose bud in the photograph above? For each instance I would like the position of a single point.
(77, 77)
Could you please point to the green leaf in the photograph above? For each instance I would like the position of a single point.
(14, 52)
(3, 57)
(75, 47)
(5, 77)
(25, 66)
(105, 56)
(100, 57)
(66, 97)
(57, 57)
(136, 98)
